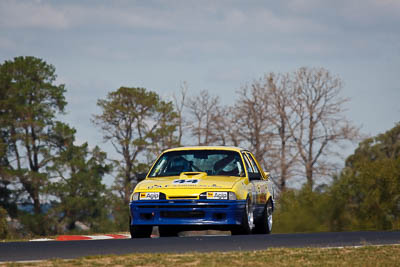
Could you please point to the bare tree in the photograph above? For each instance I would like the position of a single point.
(321, 125)
(209, 125)
(225, 126)
(203, 110)
(283, 151)
(179, 103)
(262, 114)
(292, 122)
(253, 116)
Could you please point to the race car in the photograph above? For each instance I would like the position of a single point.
(204, 187)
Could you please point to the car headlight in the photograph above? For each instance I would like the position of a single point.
(135, 197)
(218, 195)
(232, 196)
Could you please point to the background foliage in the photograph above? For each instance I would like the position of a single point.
(365, 196)
(293, 122)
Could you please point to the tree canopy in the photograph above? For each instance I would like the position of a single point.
(38, 158)
(29, 102)
(367, 192)
(138, 124)
(81, 195)
(364, 196)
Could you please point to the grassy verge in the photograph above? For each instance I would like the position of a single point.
(362, 256)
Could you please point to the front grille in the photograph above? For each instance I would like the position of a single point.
(183, 197)
(147, 216)
(182, 214)
(181, 206)
(219, 216)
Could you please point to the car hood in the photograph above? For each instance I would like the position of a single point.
(188, 180)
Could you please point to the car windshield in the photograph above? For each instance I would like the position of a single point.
(213, 162)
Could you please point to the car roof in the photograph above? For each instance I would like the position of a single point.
(231, 148)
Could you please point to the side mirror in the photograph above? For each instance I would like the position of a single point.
(266, 174)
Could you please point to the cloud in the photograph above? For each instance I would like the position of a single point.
(190, 17)
(61, 15)
(199, 48)
(250, 19)
(6, 43)
(231, 74)
(291, 17)
(367, 15)
(115, 16)
(387, 5)
(285, 24)
(305, 6)
(15, 14)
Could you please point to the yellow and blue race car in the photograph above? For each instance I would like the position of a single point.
(192, 188)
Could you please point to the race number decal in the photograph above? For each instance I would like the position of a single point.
(186, 181)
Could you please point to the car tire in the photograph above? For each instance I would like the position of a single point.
(167, 231)
(246, 226)
(140, 231)
(264, 225)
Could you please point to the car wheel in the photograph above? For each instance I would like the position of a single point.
(247, 221)
(167, 230)
(140, 231)
(264, 225)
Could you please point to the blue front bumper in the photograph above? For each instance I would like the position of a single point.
(187, 212)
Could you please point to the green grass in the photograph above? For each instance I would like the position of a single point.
(349, 256)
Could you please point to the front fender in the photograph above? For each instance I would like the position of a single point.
(243, 189)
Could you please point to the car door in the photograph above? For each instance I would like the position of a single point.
(254, 178)
(258, 181)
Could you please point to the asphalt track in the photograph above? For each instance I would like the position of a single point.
(29, 251)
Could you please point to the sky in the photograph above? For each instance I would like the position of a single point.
(221, 46)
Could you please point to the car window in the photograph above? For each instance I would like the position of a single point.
(247, 162)
(252, 169)
(253, 163)
(213, 162)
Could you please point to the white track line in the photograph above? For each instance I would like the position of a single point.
(92, 237)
